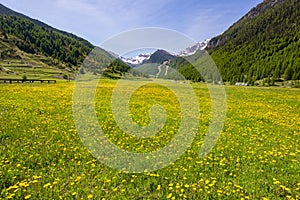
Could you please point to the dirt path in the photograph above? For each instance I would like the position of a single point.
(159, 70)
(167, 69)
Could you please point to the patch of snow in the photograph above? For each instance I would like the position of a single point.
(136, 60)
(193, 49)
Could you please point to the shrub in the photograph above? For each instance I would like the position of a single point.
(65, 76)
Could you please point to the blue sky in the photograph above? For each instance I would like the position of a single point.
(98, 20)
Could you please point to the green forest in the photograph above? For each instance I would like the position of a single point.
(261, 47)
(116, 69)
(35, 39)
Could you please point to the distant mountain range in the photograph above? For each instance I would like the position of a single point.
(160, 55)
(193, 49)
(136, 60)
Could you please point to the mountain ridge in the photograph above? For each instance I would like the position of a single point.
(254, 12)
(193, 49)
(9, 12)
(160, 56)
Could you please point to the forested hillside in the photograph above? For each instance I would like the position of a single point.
(26, 43)
(264, 44)
(34, 39)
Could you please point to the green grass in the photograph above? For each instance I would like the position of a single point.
(42, 156)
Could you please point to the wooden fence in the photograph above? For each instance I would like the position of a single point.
(15, 80)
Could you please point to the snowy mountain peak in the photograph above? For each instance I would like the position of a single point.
(193, 49)
(136, 60)
(145, 57)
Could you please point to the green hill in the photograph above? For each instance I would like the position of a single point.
(263, 45)
(30, 47)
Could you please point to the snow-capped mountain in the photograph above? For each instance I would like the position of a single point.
(193, 49)
(136, 60)
(161, 54)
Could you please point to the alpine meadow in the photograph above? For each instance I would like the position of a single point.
(53, 84)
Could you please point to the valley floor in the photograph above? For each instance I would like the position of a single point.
(42, 156)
